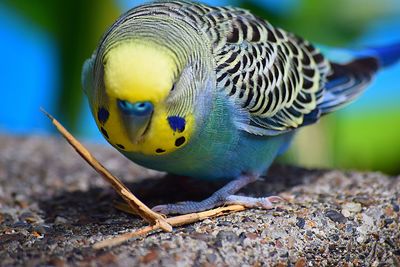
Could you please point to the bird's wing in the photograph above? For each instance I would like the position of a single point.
(274, 76)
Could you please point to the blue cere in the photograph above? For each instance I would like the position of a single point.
(136, 109)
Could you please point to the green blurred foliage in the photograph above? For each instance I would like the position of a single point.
(368, 141)
(77, 27)
(329, 22)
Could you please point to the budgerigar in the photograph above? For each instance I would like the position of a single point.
(214, 92)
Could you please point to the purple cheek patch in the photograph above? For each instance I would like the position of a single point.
(102, 115)
(177, 123)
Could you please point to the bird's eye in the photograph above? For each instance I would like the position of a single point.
(138, 109)
(173, 87)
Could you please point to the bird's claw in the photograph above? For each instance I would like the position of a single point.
(252, 202)
(161, 209)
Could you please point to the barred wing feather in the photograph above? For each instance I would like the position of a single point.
(275, 76)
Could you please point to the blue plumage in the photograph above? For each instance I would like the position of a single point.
(217, 143)
(177, 123)
(386, 55)
(348, 80)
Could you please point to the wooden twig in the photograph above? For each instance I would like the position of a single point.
(174, 221)
(157, 221)
(154, 218)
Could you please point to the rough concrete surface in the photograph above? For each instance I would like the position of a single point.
(53, 207)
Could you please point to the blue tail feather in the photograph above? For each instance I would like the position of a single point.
(347, 82)
(387, 55)
(349, 79)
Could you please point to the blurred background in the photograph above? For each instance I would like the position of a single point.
(43, 45)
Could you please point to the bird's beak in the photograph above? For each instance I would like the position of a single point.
(136, 118)
(136, 127)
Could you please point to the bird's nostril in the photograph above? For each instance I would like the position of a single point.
(136, 109)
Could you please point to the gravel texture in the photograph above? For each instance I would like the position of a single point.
(53, 207)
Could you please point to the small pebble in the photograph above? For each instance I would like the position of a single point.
(224, 223)
(335, 216)
(300, 222)
(351, 208)
(60, 220)
(349, 228)
(218, 243)
(201, 236)
(21, 224)
(309, 233)
(334, 237)
(211, 257)
(43, 229)
(278, 244)
(284, 255)
(28, 217)
(396, 207)
(247, 219)
(273, 253)
(346, 213)
(388, 221)
(228, 236)
(242, 236)
(364, 200)
(151, 256)
(301, 262)
(107, 259)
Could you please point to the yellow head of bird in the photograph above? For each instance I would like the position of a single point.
(138, 79)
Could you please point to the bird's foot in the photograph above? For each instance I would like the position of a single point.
(223, 196)
(209, 203)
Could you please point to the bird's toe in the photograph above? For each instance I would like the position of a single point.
(253, 202)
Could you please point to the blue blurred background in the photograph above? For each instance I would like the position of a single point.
(44, 43)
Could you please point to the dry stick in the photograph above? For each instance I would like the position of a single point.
(157, 220)
(174, 221)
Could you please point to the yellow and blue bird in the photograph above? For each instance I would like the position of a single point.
(214, 92)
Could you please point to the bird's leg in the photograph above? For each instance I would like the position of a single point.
(223, 196)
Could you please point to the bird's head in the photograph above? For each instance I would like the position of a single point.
(148, 80)
(138, 80)
(147, 97)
